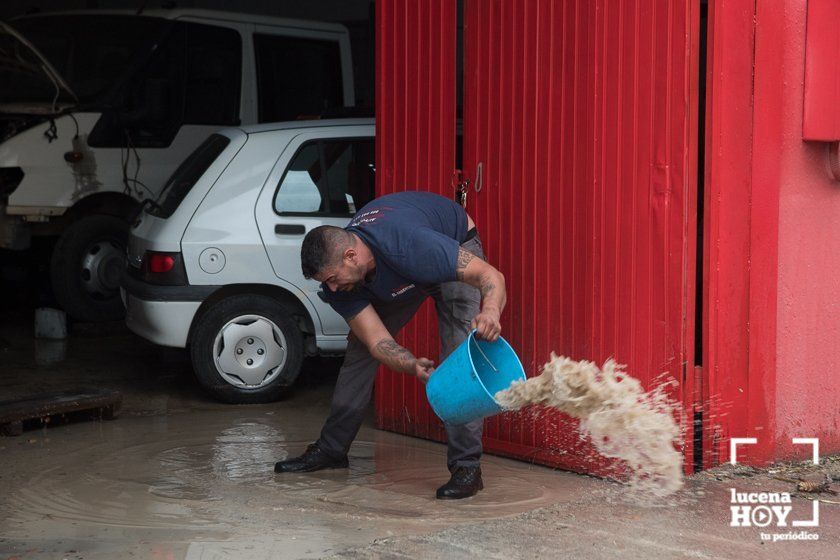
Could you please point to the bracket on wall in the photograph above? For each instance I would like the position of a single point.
(821, 112)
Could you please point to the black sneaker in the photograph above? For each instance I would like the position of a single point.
(465, 482)
(313, 459)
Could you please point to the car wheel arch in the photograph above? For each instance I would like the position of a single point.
(108, 202)
(284, 297)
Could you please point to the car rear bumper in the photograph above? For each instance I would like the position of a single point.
(162, 314)
(163, 322)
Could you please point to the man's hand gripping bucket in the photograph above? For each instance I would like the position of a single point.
(461, 389)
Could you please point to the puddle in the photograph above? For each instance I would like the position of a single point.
(207, 476)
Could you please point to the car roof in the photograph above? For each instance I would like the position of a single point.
(186, 13)
(297, 125)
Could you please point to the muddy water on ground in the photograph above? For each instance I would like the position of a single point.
(178, 476)
(194, 479)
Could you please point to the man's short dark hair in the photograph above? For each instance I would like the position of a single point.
(323, 247)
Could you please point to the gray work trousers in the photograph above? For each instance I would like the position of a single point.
(456, 304)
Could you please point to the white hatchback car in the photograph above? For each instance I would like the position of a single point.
(214, 264)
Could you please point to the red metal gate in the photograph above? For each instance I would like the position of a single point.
(415, 150)
(580, 131)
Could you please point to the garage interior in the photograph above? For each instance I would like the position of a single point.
(157, 468)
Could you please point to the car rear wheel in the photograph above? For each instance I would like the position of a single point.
(246, 349)
(86, 265)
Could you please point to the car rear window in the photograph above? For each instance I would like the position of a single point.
(190, 171)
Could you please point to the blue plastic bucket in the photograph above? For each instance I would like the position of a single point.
(461, 389)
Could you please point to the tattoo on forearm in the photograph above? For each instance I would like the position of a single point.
(394, 353)
(486, 288)
(464, 258)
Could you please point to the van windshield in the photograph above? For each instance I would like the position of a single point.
(190, 171)
(91, 52)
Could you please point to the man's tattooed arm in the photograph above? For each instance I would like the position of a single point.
(394, 356)
(367, 327)
(487, 286)
(464, 258)
(487, 279)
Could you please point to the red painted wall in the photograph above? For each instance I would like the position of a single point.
(771, 254)
(808, 300)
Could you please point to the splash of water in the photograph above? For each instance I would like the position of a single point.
(616, 414)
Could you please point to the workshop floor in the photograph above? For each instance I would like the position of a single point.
(177, 475)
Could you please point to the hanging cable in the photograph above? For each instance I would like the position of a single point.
(72, 116)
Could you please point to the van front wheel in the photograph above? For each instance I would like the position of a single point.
(86, 265)
(246, 349)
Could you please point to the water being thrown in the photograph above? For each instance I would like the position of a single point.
(616, 414)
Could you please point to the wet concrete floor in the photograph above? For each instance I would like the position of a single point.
(177, 475)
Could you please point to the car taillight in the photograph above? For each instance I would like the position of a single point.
(161, 262)
(164, 268)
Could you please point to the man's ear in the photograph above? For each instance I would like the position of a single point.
(350, 254)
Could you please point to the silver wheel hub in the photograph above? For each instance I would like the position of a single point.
(102, 264)
(250, 351)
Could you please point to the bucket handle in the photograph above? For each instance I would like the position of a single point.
(486, 359)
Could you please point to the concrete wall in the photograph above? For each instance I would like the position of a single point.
(808, 299)
(771, 244)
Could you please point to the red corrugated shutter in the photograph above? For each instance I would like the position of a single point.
(582, 115)
(415, 150)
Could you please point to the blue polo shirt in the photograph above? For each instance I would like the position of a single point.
(414, 237)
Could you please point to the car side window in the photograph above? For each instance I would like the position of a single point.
(299, 190)
(328, 177)
(213, 75)
(296, 77)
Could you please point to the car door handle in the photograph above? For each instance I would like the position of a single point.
(289, 229)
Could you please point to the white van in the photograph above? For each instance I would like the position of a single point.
(215, 264)
(97, 109)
